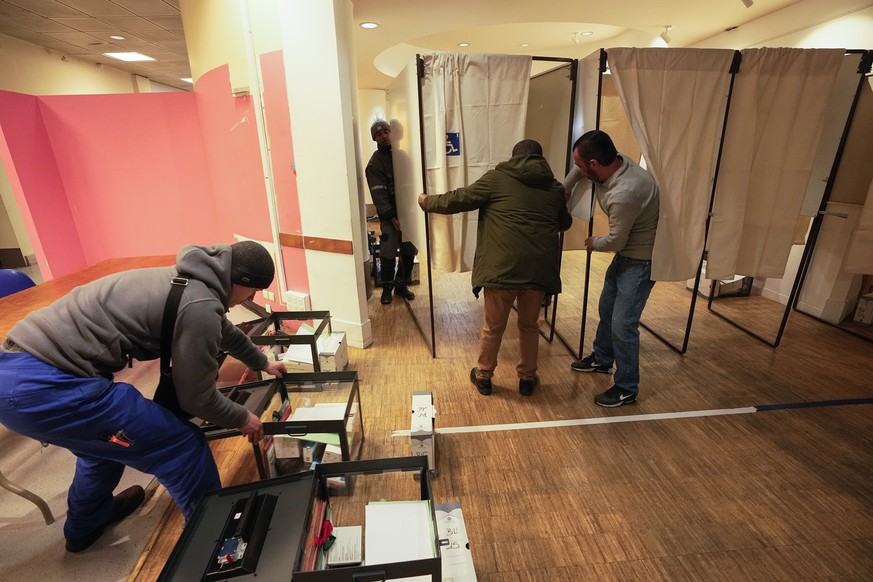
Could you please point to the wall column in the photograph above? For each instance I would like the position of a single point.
(322, 97)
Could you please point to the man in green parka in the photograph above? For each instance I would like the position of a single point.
(522, 209)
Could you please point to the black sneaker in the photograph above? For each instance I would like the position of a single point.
(405, 293)
(386, 295)
(589, 364)
(483, 386)
(526, 387)
(123, 505)
(615, 397)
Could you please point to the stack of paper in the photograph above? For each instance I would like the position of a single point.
(398, 532)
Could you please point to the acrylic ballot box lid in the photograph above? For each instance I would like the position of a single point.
(279, 539)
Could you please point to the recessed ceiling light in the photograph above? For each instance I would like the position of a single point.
(116, 37)
(129, 57)
(187, 80)
(369, 25)
(524, 45)
(587, 33)
(463, 44)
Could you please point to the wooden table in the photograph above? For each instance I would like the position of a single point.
(15, 307)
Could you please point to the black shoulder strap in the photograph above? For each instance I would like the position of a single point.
(165, 393)
(168, 324)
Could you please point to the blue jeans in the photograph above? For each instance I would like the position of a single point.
(626, 288)
(50, 405)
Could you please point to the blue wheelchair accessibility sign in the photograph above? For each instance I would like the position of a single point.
(453, 144)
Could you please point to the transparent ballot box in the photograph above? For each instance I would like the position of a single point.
(312, 418)
(293, 528)
(300, 339)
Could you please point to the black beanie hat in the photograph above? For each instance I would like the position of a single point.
(378, 126)
(251, 265)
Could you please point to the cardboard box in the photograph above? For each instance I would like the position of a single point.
(422, 432)
(864, 311)
(333, 354)
(734, 286)
(457, 561)
(332, 454)
(287, 447)
(415, 278)
(312, 451)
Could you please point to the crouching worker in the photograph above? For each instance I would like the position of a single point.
(56, 380)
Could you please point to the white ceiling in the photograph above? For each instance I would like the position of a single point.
(81, 28)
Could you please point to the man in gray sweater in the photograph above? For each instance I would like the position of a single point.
(56, 380)
(628, 195)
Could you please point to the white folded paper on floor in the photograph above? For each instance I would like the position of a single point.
(398, 532)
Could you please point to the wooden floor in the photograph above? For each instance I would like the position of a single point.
(731, 494)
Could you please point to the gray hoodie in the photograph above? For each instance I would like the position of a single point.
(95, 328)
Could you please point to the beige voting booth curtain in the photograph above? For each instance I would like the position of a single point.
(675, 100)
(859, 258)
(474, 112)
(777, 110)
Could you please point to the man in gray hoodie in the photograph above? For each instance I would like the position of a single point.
(56, 380)
(518, 252)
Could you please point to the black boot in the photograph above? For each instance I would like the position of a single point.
(403, 291)
(386, 295)
(123, 505)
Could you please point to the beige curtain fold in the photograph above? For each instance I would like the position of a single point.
(859, 258)
(587, 96)
(675, 100)
(776, 116)
(483, 99)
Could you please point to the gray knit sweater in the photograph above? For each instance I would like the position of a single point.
(631, 202)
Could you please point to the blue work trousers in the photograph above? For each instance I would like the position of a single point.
(82, 414)
(626, 289)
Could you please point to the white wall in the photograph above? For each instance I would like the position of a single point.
(322, 99)
(841, 24)
(34, 70)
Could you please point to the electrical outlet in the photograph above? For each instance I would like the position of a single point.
(297, 301)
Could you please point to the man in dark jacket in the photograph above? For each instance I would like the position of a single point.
(380, 179)
(521, 211)
(56, 383)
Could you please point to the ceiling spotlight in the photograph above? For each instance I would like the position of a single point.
(748, 3)
(464, 44)
(369, 25)
(116, 37)
(665, 36)
(524, 45)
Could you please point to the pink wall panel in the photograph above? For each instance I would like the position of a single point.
(105, 176)
(29, 161)
(134, 172)
(230, 139)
